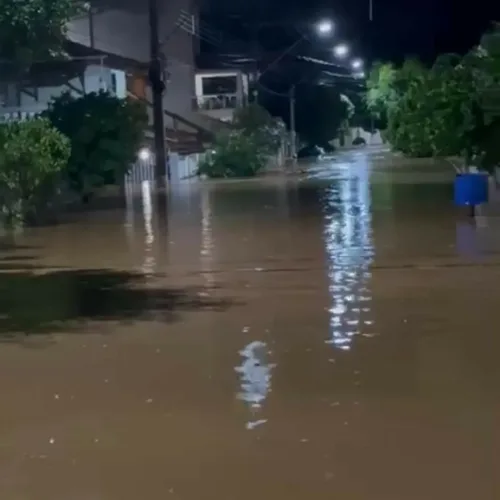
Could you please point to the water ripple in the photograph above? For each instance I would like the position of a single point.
(349, 250)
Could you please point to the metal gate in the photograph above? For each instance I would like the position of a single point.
(183, 168)
(142, 170)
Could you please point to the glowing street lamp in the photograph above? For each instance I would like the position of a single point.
(144, 154)
(324, 27)
(341, 50)
(357, 64)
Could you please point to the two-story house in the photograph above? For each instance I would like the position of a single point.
(109, 48)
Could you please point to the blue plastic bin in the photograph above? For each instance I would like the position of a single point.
(471, 189)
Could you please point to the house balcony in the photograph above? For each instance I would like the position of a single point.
(16, 114)
(21, 102)
(219, 106)
(218, 93)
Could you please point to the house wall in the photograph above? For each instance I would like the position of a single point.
(123, 30)
(374, 139)
(225, 113)
(241, 81)
(36, 100)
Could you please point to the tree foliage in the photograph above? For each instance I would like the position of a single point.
(254, 120)
(235, 154)
(449, 109)
(34, 30)
(245, 151)
(437, 113)
(386, 84)
(32, 156)
(381, 93)
(105, 134)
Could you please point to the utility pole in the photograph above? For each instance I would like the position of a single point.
(158, 87)
(293, 138)
(91, 26)
(256, 55)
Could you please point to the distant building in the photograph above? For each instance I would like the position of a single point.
(356, 133)
(218, 93)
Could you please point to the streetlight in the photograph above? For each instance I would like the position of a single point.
(144, 154)
(341, 50)
(357, 64)
(324, 27)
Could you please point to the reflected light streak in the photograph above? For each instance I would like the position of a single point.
(129, 213)
(349, 249)
(207, 240)
(255, 378)
(149, 264)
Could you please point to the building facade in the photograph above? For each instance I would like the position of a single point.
(109, 48)
(27, 97)
(122, 28)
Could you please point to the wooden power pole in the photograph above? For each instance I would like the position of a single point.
(158, 88)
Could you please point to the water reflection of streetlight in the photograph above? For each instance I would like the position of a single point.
(349, 252)
(149, 264)
(207, 242)
(255, 379)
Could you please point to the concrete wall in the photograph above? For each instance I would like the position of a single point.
(374, 139)
(122, 28)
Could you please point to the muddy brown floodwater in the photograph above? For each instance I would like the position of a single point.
(334, 336)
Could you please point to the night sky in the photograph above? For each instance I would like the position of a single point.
(399, 28)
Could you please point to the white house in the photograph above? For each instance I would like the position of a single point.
(30, 95)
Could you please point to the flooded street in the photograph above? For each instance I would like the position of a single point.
(322, 337)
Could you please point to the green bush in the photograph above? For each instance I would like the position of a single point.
(234, 155)
(255, 121)
(105, 133)
(32, 155)
(245, 151)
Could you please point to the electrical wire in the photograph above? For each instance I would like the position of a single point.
(113, 47)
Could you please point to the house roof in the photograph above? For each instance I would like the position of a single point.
(72, 64)
(76, 50)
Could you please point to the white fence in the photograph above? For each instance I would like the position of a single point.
(16, 115)
(183, 168)
(142, 170)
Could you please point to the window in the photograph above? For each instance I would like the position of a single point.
(3, 94)
(114, 84)
(10, 95)
(214, 85)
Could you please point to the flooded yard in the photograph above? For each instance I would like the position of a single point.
(322, 337)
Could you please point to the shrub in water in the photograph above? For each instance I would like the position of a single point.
(234, 155)
(32, 155)
(105, 133)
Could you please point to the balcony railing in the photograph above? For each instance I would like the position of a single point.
(14, 114)
(215, 102)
